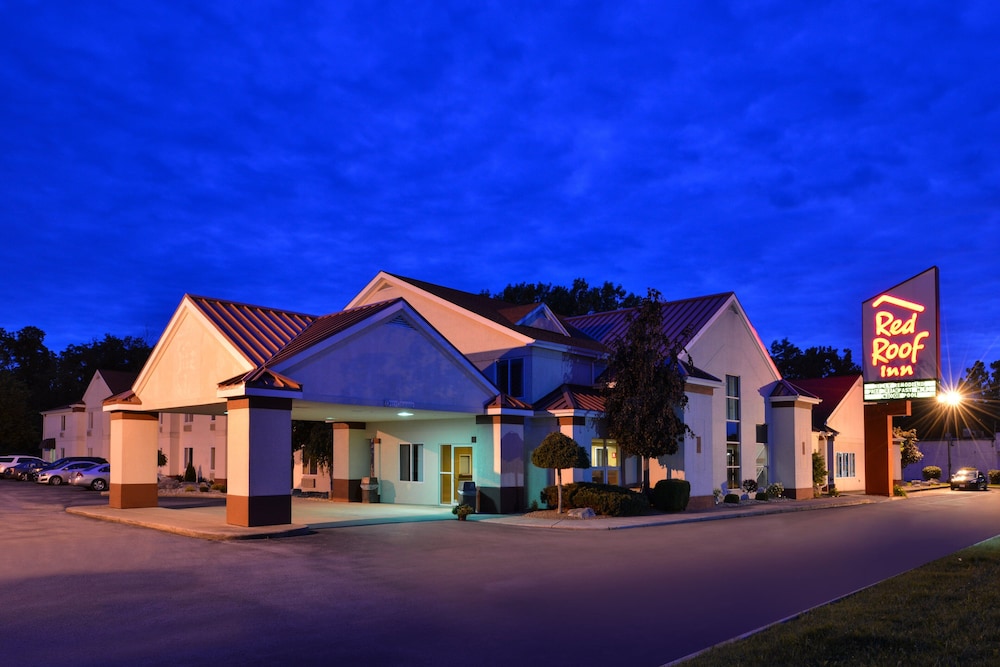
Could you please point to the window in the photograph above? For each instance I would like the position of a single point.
(188, 456)
(510, 377)
(733, 480)
(411, 463)
(762, 456)
(604, 462)
(90, 419)
(62, 422)
(845, 464)
(211, 458)
(188, 418)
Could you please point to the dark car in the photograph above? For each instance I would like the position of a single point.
(969, 478)
(20, 471)
(36, 469)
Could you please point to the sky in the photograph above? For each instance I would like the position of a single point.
(805, 156)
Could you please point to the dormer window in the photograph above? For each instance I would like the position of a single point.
(510, 377)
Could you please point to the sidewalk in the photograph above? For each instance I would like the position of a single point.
(309, 515)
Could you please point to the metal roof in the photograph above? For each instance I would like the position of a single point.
(678, 316)
(573, 397)
(257, 332)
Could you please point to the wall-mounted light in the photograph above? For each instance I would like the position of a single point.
(404, 413)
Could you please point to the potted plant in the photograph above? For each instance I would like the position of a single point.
(462, 511)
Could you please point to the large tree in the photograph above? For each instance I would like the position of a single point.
(77, 364)
(578, 299)
(559, 451)
(980, 383)
(814, 362)
(27, 368)
(644, 397)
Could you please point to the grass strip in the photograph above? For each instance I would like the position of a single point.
(944, 613)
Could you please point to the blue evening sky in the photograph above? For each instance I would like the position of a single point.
(805, 155)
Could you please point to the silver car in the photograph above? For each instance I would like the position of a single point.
(62, 474)
(96, 477)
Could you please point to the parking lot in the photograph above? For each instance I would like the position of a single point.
(480, 593)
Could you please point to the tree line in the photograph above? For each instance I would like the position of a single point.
(33, 378)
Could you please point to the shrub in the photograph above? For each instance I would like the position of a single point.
(189, 474)
(931, 472)
(672, 495)
(761, 495)
(221, 488)
(897, 490)
(750, 486)
(732, 499)
(994, 476)
(776, 490)
(604, 499)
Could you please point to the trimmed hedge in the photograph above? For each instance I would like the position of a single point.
(931, 472)
(672, 495)
(604, 499)
(732, 499)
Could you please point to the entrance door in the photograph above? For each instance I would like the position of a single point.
(456, 467)
(447, 477)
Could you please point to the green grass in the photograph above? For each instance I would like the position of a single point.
(944, 613)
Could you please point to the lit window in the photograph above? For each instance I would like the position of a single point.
(733, 480)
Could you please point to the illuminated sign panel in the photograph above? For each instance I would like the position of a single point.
(901, 342)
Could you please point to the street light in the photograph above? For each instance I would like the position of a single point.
(952, 399)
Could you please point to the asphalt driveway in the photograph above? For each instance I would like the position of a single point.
(443, 592)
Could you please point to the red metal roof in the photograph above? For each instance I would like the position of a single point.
(258, 332)
(573, 397)
(677, 316)
(328, 325)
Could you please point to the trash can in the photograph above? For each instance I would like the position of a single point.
(369, 490)
(467, 494)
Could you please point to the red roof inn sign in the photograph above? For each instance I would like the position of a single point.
(901, 341)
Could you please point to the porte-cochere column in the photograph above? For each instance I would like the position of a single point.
(133, 459)
(259, 461)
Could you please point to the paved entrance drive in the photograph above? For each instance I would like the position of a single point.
(443, 592)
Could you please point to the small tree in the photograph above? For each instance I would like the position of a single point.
(560, 451)
(161, 458)
(908, 450)
(645, 399)
(819, 472)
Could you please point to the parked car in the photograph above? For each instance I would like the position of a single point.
(61, 474)
(95, 477)
(21, 471)
(58, 463)
(969, 478)
(11, 460)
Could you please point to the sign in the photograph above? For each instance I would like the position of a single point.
(901, 340)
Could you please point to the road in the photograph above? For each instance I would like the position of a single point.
(452, 593)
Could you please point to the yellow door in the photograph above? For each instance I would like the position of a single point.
(447, 479)
(462, 466)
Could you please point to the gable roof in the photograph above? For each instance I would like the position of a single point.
(511, 315)
(678, 316)
(572, 397)
(258, 333)
(830, 390)
(118, 381)
(323, 327)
